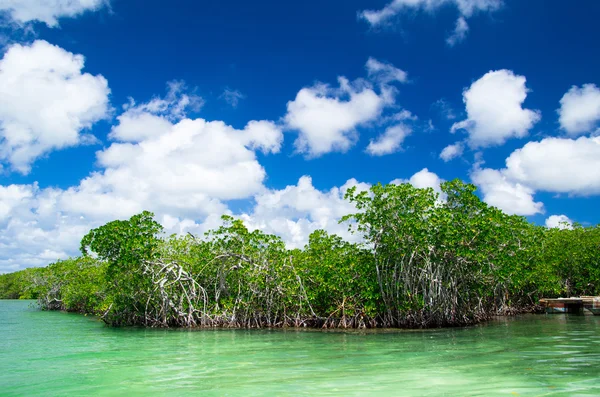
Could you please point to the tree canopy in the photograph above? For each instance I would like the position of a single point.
(426, 259)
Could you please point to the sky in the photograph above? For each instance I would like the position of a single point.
(270, 110)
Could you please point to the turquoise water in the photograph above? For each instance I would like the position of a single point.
(61, 354)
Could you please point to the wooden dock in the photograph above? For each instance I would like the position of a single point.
(572, 305)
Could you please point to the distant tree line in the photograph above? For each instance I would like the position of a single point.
(427, 260)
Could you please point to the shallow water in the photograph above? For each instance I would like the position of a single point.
(58, 354)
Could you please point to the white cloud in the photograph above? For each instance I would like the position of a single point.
(460, 32)
(198, 161)
(579, 111)
(422, 180)
(494, 109)
(154, 118)
(46, 102)
(385, 73)
(425, 178)
(466, 9)
(555, 165)
(32, 231)
(390, 141)
(183, 170)
(11, 196)
(34, 219)
(135, 126)
(48, 11)
(559, 221)
(326, 118)
(510, 197)
(297, 210)
(452, 151)
(558, 165)
(232, 97)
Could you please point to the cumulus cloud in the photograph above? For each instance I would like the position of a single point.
(32, 231)
(423, 179)
(46, 102)
(554, 165)
(11, 196)
(188, 171)
(390, 141)
(452, 151)
(38, 226)
(499, 191)
(48, 11)
(184, 170)
(326, 118)
(559, 221)
(579, 111)
(494, 110)
(466, 9)
(558, 165)
(297, 210)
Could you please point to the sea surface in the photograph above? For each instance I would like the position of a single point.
(62, 354)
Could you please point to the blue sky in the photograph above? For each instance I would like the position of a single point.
(270, 110)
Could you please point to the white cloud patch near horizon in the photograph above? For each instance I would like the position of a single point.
(424, 179)
(559, 222)
(553, 165)
(298, 210)
(501, 192)
(46, 102)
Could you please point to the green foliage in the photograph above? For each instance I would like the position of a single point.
(125, 246)
(575, 256)
(16, 285)
(124, 243)
(440, 262)
(339, 278)
(252, 276)
(426, 259)
(73, 285)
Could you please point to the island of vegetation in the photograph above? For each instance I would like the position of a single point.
(425, 260)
